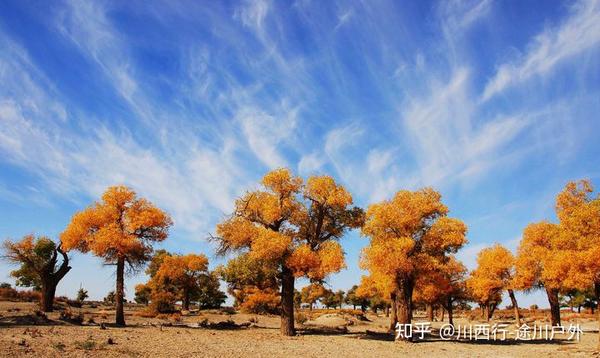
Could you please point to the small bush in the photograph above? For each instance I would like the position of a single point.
(30, 296)
(147, 313)
(59, 346)
(9, 293)
(74, 303)
(40, 314)
(87, 345)
(163, 302)
(68, 316)
(300, 318)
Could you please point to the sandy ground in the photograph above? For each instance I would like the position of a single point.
(23, 333)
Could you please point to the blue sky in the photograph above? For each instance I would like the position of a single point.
(495, 104)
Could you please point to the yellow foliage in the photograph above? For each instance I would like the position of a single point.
(410, 240)
(254, 300)
(293, 224)
(493, 274)
(120, 225)
(302, 260)
(269, 245)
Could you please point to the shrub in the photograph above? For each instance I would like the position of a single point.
(68, 316)
(87, 345)
(8, 293)
(258, 301)
(147, 313)
(163, 302)
(300, 318)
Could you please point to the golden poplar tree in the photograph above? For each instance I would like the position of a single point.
(441, 287)
(539, 259)
(120, 228)
(578, 212)
(180, 275)
(493, 275)
(293, 226)
(410, 235)
(39, 265)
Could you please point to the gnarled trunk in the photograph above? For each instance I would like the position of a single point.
(429, 311)
(287, 302)
(450, 311)
(513, 301)
(404, 298)
(554, 306)
(50, 279)
(185, 302)
(120, 292)
(394, 313)
(47, 297)
(491, 309)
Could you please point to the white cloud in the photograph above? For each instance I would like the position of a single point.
(446, 137)
(310, 163)
(580, 32)
(253, 13)
(264, 132)
(343, 18)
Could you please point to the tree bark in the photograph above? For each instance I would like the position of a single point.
(491, 311)
(554, 306)
(185, 303)
(450, 311)
(442, 312)
(429, 310)
(47, 297)
(597, 293)
(120, 292)
(51, 278)
(287, 302)
(404, 299)
(486, 312)
(394, 313)
(515, 305)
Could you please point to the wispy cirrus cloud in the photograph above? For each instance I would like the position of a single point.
(190, 104)
(578, 33)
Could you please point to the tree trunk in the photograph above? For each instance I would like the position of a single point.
(597, 293)
(394, 313)
(47, 297)
(554, 306)
(51, 278)
(486, 311)
(404, 298)
(450, 313)
(491, 311)
(515, 305)
(185, 303)
(287, 302)
(119, 293)
(387, 310)
(429, 310)
(442, 312)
